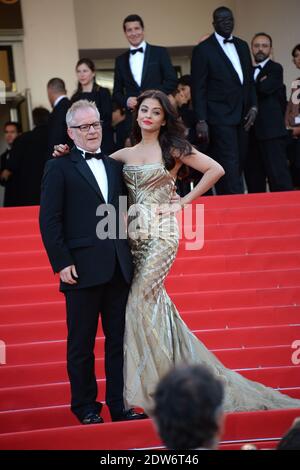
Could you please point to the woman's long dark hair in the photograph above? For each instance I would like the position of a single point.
(171, 136)
(92, 67)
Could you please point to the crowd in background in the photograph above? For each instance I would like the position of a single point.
(234, 107)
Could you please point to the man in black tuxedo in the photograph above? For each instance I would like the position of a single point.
(267, 157)
(95, 269)
(57, 127)
(224, 98)
(142, 67)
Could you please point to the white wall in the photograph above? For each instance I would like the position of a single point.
(167, 22)
(278, 18)
(50, 45)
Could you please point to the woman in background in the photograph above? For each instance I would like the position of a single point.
(88, 89)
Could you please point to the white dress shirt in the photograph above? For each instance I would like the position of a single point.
(231, 52)
(98, 169)
(262, 64)
(136, 62)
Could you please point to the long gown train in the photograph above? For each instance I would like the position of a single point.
(156, 338)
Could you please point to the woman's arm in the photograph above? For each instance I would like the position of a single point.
(120, 155)
(211, 170)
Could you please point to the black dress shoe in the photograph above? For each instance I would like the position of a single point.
(92, 418)
(129, 415)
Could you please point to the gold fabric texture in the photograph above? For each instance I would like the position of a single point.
(156, 338)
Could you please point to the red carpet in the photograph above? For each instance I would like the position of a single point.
(240, 295)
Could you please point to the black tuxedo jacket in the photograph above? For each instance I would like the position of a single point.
(69, 200)
(271, 95)
(158, 73)
(218, 95)
(57, 127)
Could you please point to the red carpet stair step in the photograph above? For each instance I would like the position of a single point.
(240, 295)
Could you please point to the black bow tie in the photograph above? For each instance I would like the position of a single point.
(134, 51)
(257, 67)
(225, 41)
(98, 156)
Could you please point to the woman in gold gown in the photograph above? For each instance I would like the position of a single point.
(156, 338)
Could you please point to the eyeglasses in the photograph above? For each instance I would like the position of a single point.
(86, 127)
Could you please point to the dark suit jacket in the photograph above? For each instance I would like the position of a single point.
(158, 73)
(120, 134)
(101, 96)
(27, 161)
(271, 95)
(57, 127)
(218, 95)
(69, 200)
(10, 194)
(4, 157)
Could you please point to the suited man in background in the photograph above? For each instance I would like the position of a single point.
(142, 67)
(11, 131)
(28, 156)
(119, 126)
(224, 98)
(57, 127)
(267, 157)
(95, 272)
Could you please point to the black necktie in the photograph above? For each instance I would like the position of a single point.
(134, 51)
(98, 156)
(225, 41)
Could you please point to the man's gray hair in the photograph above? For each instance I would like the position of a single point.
(81, 104)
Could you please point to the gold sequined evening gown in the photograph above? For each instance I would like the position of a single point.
(156, 338)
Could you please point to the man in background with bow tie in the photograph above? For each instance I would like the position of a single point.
(95, 274)
(267, 157)
(224, 98)
(142, 67)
